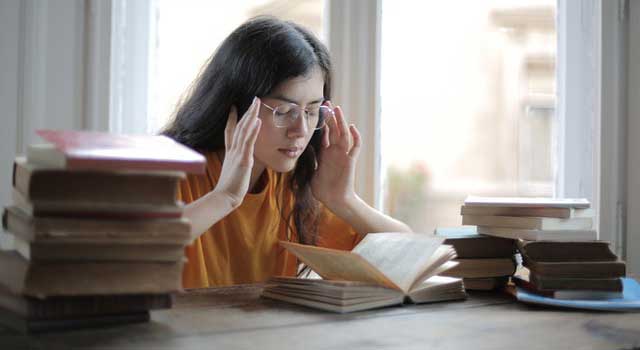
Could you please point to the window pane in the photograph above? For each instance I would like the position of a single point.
(187, 32)
(468, 104)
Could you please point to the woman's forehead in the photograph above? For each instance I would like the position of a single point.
(302, 89)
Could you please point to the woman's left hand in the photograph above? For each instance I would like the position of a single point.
(333, 181)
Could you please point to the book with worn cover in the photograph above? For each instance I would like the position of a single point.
(485, 283)
(41, 325)
(41, 280)
(565, 283)
(38, 183)
(539, 235)
(487, 267)
(470, 245)
(543, 212)
(91, 251)
(89, 150)
(522, 281)
(81, 306)
(90, 230)
(528, 202)
(383, 269)
(531, 223)
(628, 302)
(575, 269)
(103, 210)
(566, 251)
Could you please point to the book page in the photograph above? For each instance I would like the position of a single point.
(402, 257)
(333, 264)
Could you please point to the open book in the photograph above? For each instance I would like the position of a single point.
(383, 269)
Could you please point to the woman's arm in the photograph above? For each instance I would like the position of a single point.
(235, 175)
(333, 182)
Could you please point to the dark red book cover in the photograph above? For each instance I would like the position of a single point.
(89, 150)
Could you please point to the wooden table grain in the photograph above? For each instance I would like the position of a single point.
(237, 318)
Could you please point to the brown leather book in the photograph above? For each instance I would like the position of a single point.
(37, 183)
(485, 283)
(91, 230)
(41, 280)
(92, 251)
(576, 269)
(566, 251)
(597, 284)
(89, 150)
(81, 306)
(27, 325)
(470, 245)
(487, 267)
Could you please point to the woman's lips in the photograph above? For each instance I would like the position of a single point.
(291, 152)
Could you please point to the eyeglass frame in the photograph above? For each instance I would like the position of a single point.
(305, 110)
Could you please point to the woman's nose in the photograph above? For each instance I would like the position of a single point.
(299, 127)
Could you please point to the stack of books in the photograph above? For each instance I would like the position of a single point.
(530, 218)
(484, 262)
(95, 234)
(383, 269)
(570, 270)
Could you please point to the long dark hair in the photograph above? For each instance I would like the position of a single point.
(252, 61)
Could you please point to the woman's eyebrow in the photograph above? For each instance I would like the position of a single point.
(290, 100)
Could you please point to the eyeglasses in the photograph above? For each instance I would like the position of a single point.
(285, 115)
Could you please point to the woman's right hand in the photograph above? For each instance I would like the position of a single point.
(239, 139)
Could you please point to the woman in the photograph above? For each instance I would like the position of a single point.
(284, 170)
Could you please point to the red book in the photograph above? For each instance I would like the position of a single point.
(88, 150)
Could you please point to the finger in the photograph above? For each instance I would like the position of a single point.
(247, 120)
(334, 133)
(357, 142)
(345, 135)
(325, 136)
(229, 129)
(249, 146)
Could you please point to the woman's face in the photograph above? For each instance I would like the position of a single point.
(279, 148)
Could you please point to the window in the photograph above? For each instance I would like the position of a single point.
(467, 105)
(186, 33)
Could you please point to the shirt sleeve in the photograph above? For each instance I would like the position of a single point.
(335, 233)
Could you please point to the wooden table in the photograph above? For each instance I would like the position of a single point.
(236, 318)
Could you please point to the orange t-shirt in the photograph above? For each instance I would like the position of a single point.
(243, 246)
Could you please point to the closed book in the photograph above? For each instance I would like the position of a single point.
(538, 235)
(528, 202)
(96, 251)
(41, 280)
(488, 267)
(485, 283)
(531, 223)
(80, 306)
(576, 269)
(88, 150)
(37, 183)
(553, 283)
(566, 251)
(66, 208)
(469, 244)
(562, 213)
(28, 326)
(523, 282)
(91, 230)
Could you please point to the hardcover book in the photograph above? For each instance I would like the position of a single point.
(383, 269)
(88, 150)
